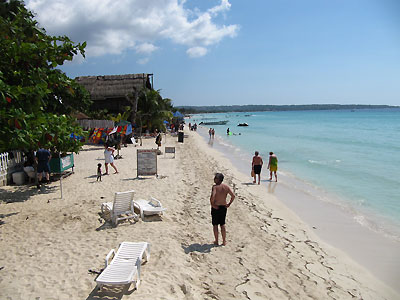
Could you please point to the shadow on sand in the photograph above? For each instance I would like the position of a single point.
(137, 178)
(24, 192)
(248, 183)
(203, 248)
(2, 216)
(110, 293)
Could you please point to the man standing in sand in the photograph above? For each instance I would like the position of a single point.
(43, 157)
(273, 165)
(219, 206)
(256, 165)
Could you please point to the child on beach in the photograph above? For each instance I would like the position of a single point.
(98, 172)
(219, 206)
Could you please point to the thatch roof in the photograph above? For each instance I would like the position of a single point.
(80, 116)
(113, 86)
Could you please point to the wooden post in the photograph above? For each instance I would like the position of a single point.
(59, 156)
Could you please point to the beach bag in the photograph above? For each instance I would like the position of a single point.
(252, 173)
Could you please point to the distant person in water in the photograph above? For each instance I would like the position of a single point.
(273, 165)
(227, 131)
(219, 206)
(256, 165)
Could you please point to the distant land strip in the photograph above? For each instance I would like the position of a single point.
(254, 108)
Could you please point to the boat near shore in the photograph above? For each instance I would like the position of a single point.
(214, 123)
(243, 124)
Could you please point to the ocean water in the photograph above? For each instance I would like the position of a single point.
(352, 158)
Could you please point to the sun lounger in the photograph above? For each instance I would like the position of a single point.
(122, 205)
(149, 207)
(124, 267)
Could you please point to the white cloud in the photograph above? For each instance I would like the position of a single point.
(113, 27)
(145, 48)
(196, 51)
(225, 5)
(143, 61)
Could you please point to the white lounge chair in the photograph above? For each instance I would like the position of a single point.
(122, 205)
(125, 265)
(149, 207)
(134, 143)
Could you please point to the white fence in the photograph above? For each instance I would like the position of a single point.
(89, 124)
(9, 165)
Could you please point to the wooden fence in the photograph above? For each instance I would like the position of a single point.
(10, 165)
(90, 124)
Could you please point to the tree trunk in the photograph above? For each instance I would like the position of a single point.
(133, 100)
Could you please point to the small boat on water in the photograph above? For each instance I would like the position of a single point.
(214, 123)
(243, 124)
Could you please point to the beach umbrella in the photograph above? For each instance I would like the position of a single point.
(177, 114)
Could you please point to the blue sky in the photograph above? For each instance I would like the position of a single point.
(208, 52)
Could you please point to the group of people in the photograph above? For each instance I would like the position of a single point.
(193, 127)
(211, 132)
(220, 191)
(257, 164)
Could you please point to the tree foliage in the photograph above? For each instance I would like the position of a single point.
(153, 109)
(35, 97)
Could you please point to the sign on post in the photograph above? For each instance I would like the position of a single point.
(146, 162)
(170, 150)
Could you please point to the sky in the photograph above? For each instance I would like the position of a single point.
(237, 52)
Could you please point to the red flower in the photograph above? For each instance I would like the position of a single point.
(8, 99)
(16, 123)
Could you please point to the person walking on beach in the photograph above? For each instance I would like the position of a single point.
(109, 158)
(212, 132)
(158, 139)
(273, 165)
(256, 165)
(219, 206)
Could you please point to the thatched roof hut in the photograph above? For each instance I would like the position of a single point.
(111, 91)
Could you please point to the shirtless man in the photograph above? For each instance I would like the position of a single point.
(256, 166)
(219, 206)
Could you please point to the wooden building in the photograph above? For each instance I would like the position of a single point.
(115, 92)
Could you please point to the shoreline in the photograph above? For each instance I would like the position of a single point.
(271, 253)
(331, 222)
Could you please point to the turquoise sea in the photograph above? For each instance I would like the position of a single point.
(352, 158)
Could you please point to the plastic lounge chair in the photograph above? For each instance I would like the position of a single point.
(149, 207)
(122, 205)
(125, 265)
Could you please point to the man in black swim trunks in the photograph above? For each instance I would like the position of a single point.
(256, 166)
(219, 206)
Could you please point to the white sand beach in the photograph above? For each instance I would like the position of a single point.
(48, 244)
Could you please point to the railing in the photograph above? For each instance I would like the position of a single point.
(9, 165)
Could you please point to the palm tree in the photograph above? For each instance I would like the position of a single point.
(153, 109)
